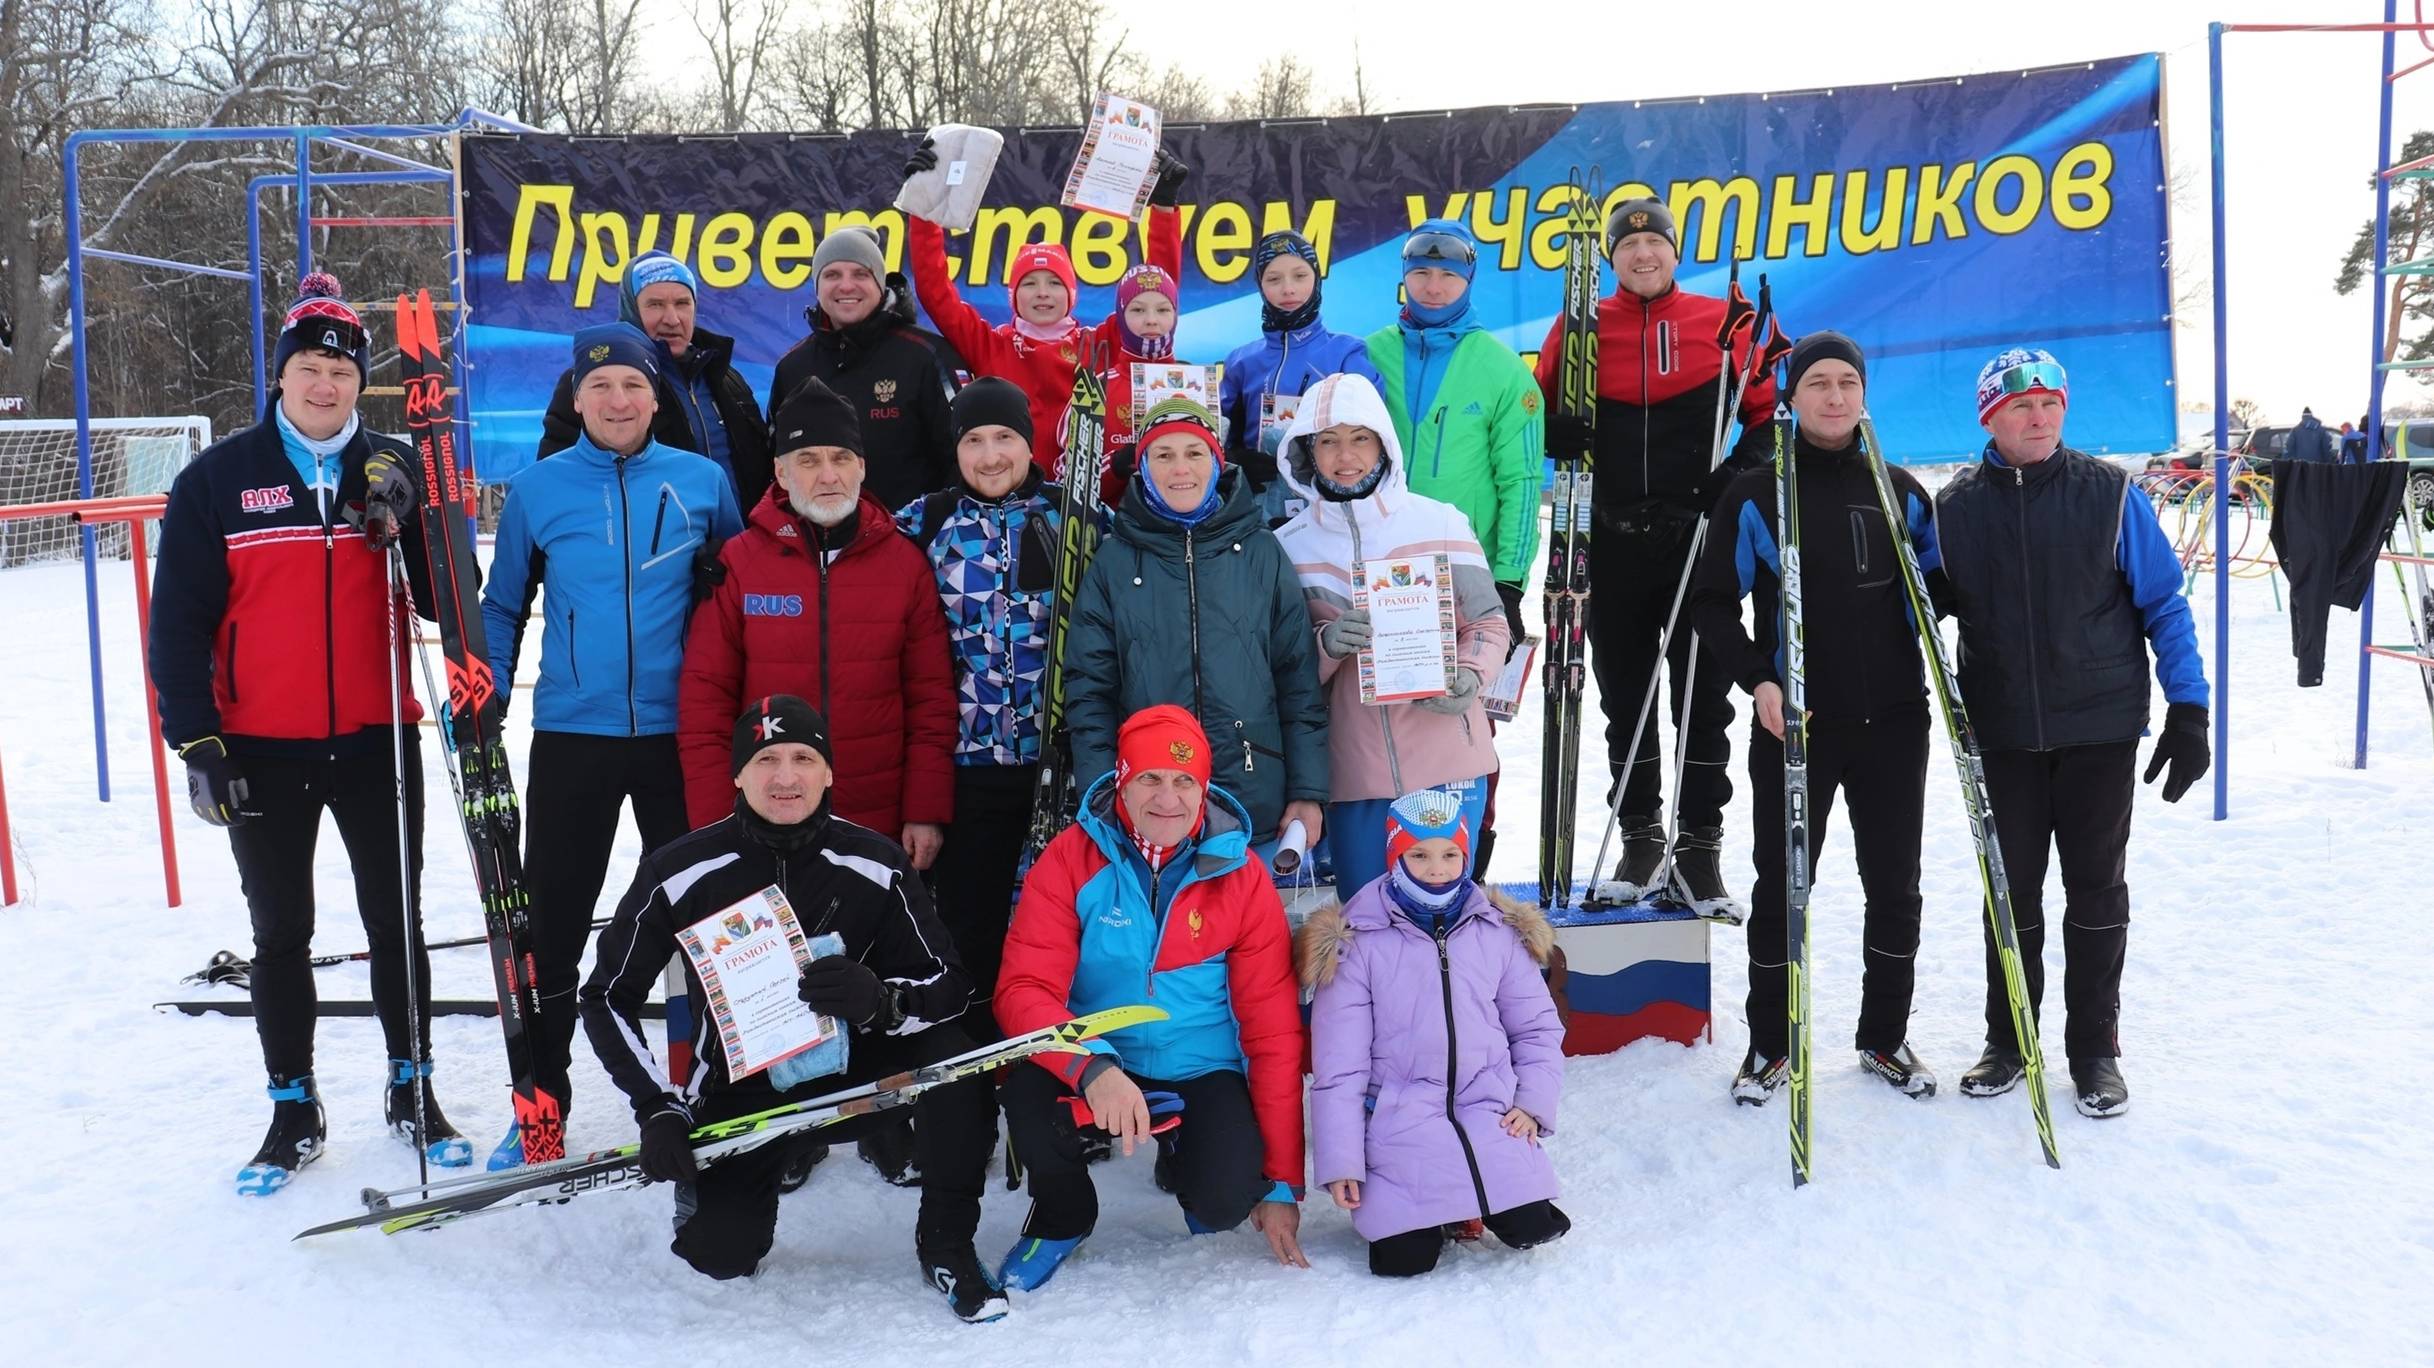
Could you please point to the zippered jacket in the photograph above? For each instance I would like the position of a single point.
(995, 562)
(1467, 415)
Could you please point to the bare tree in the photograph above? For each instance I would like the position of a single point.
(741, 35)
(1284, 89)
(1091, 58)
(1178, 95)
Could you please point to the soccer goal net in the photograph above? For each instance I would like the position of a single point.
(38, 465)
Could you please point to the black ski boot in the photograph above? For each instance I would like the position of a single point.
(2098, 1089)
(1902, 1069)
(439, 1142)
(889, 1149)
(798, 1167)
(1997, 1072)
(1698, 880)
(298, 1133)
(970, 1292)
(1640, 872)
(1759, 1078)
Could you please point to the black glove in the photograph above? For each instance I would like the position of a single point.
(1257, 466)
(1710, 488)
(844, 988)
(924, 158)
(1569, 436)
(1124, 461)
(709, 571)
(214, 784)
(667, 1147)
(1171, 175)
(2183, 748)
(1511, 595)
(388, 494)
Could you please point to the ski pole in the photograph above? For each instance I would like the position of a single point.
(419, 1064)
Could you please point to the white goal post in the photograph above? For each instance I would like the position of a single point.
(38, 465)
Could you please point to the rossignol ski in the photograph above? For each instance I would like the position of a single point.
(1974, 798)
(1567, 581)
(1079, 509)
(1795, 794)
(471, 724)
(452, 1199)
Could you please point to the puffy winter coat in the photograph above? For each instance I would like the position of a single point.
(858, 632)
(1417, 1052)
(1385, 750)
(711, 359)
(1466, 413)
(612, 540)
(268, 628)
(1209, 945)
(1283, 364)
(1043, 366)
(1657, 362)
(995, 561)
(1211, 619)
(898, 378)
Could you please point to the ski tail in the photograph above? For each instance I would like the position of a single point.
(1993, 881)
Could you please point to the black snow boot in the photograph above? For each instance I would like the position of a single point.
(298, 1133)
(1698, 880)
(2097, 1087)
(798, 1167)
(1640, 871)
(1902, 1069)
(889, 1149)
(970, 1292)
(1997, 1072)
(439, 1141)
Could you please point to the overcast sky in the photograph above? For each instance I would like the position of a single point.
(2300, 114)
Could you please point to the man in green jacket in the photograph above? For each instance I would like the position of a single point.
(1465, 408)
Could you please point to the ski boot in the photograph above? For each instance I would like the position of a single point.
(440, 1143)
(1696, 879)
(970, 1293)
(890, 1150)
(1759, 1078)
(298, 1133)
(1902, 1069)
(1033, 1261)
(799, 1166)
(1997, 1072)
(2098, 1089)
(1640, 873)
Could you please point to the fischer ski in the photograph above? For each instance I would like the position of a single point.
(446, 1200)
(1079, 508)
(229, 967)
(471, 723)
(1966, 758)
(1795, 794)
(1567, 580)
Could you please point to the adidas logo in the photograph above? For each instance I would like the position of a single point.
(1473, 410)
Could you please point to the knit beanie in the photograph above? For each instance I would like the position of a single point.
(1041, 256)
(653, 267)
(1424, 815)
(320, 320)
(1822, 345)
(1640, 216)
(2016, 371)
(1141, 280)
(814, 415)
(853, 243)
(614, 344)
(774, 721)
(992, 400)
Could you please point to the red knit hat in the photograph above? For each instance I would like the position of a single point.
(1041, 256)
(1146, 279)
(1176, 414)
(1159, 737)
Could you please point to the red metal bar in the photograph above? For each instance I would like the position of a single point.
(2415, 66)
(152, 711)
(2403, 558)
(388, 221)
(2418, 165)
(2413, 658)
(8, 851)
(89, 510)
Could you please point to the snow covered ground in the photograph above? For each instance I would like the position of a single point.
(2264, 1201)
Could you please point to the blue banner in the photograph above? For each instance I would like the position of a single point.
(1937, 222)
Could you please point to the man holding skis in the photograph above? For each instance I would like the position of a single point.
(276, 647)
(1656, 470)
(2063, 583)
(607, 533)
(1867, 701)
(896, 987)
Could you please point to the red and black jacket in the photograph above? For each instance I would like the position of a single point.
(268, 625)
(1657, 362)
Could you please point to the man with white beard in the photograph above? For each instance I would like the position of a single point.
(820, 596)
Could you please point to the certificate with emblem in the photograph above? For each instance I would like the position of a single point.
(1116, 168)
(1411, 625)
(749, 958)
(1155, 382)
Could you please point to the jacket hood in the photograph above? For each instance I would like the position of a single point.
(1340, 398)
(1223, 844)
(774, 516)
(1319, 946)
(1238, 516)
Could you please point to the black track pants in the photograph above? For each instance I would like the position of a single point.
(1632, 576)
(2074, 802)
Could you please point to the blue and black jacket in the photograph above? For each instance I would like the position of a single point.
(995, 560)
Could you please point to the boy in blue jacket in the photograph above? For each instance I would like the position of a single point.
(1294, 352)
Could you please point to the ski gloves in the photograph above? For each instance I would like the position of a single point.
(924, 158)
(1510, 594)
(388, 494)
(214, 784)
(2182, 749)
(1165, 1113)
(709, 571)
(847, 989)
(1568, 436)
(1455, 700)
(1346, 634)
(667, 1147)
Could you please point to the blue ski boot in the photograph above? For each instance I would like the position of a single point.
(1033, 1261)
(298, 1132)
(439, 1142)
(510, 1151)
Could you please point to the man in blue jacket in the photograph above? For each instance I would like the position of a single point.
(608, 532)
(2062, 583)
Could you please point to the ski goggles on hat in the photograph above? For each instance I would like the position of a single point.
(1422, 249)
(2031, 375)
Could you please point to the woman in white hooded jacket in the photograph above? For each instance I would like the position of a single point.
(1341, 455)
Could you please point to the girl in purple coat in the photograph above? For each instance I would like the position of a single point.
(1436, 1054)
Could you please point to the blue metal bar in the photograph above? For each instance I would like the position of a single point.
(346, 145)
(471, 115)
(84, 458)
(2222, 446)
(304, 205)
(253, 243)
(190, 268)
(2374, 402)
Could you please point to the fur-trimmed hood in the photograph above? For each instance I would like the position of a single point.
(1319, 946)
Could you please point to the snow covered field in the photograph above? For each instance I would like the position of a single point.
(2265, 1200)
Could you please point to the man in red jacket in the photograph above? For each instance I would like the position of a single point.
(822, 597)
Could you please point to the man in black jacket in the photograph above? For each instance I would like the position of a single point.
(704, 406)
(897, 986)
(1866, 697)
(2062, 582)
(897, 377)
